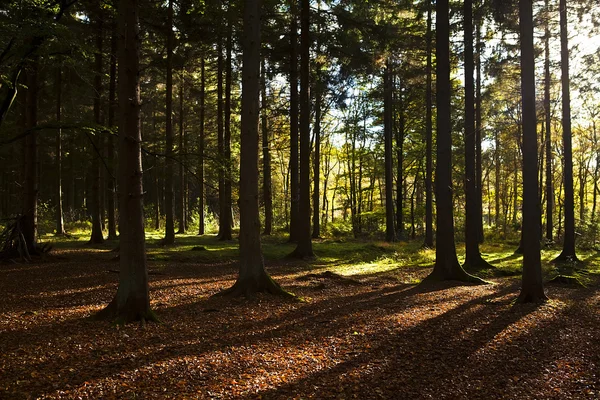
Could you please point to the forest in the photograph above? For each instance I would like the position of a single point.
(292, 199)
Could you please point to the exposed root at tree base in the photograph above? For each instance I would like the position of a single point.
(248, 288)
(564, 258)
(459, 276)
(477, 264)
(300, 255)
(123, 317)
(535, 298)
(566, 280)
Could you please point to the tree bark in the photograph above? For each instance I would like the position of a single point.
(304, 248)
(201, 226)
(60, 226)
(169, 206)
(267, 187)
(478, 127)
(110, 147)
(532, 289)
(473, 259)
(568, 251)
(132, 300)
(252, 276)
(95, 198)
(428, 243)
(446, 265)
(390, 231)
(31, 165)
(294, 153)
(182, 150)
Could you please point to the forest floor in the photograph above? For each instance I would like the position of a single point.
(375, 333)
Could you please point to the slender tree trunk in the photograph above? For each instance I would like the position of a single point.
(31, 165)
(316, 232)
(473, 259)
(169, 206)
(110, 147)
(181, 152)
(428, 243)
(252, 276)
(201, 226)
(304, 248)
(95, 198)
(294, 154)
(532, 289)
(446, 265)
(549, 181)
(400, 179)
(267, 187)
(60, 226)
(568, 251)
(478, 128)
(497, 179)
(390, 232)
(225, 221)
(132, 300)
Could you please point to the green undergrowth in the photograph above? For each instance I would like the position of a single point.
(406, 261)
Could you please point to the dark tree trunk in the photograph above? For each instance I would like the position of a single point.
(390, 231)
(201, 150)
(225, 220)
(428, 139)
(304, 249)
(532, 289)
(110, 147)
(31, 164)
(294, 166)
(60, 226)
(169, 206)
(132, 301)
(400, 179)
(95, 198)
(497, 180)
(182, 150)
(446, 265)
(478, 128)
(252, 276)
(473, 259)
(267, 189)
(568, 251)
(316, 231)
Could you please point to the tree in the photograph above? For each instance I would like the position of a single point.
(473, 259)
(267, 185)
(294, 153)
(252, 276)
(200, 172)
(94, 199)
(532, 289)
(132, 300)
(390, 232)
(110, 147)
(568, 251)
(548, 133)
(446, 265)
(304, 248)
(60, 226)
(169, 206)
(428, 139)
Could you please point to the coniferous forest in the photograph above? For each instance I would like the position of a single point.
(297, 199)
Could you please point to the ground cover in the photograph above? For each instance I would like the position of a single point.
(365, 328)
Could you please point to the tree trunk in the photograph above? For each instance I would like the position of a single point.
(446, 265)
(568, 251)
(132, 301)
(473, 259)
(181, 151)
(169, 206)
(478, 128)
(548, 139)
(110, 147)
(225, 220)
(95, 198)
(267, 187)
(201, 227)
(304, 249)
(532, 289)
(30, 188)
(294, 167)
(400, 179)
(316, 232)
(252, 276)
(428, 243)
(390, 232)
(60, 226)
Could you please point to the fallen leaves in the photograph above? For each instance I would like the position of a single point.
(377, 340)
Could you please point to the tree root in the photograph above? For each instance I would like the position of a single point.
(249, 287)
